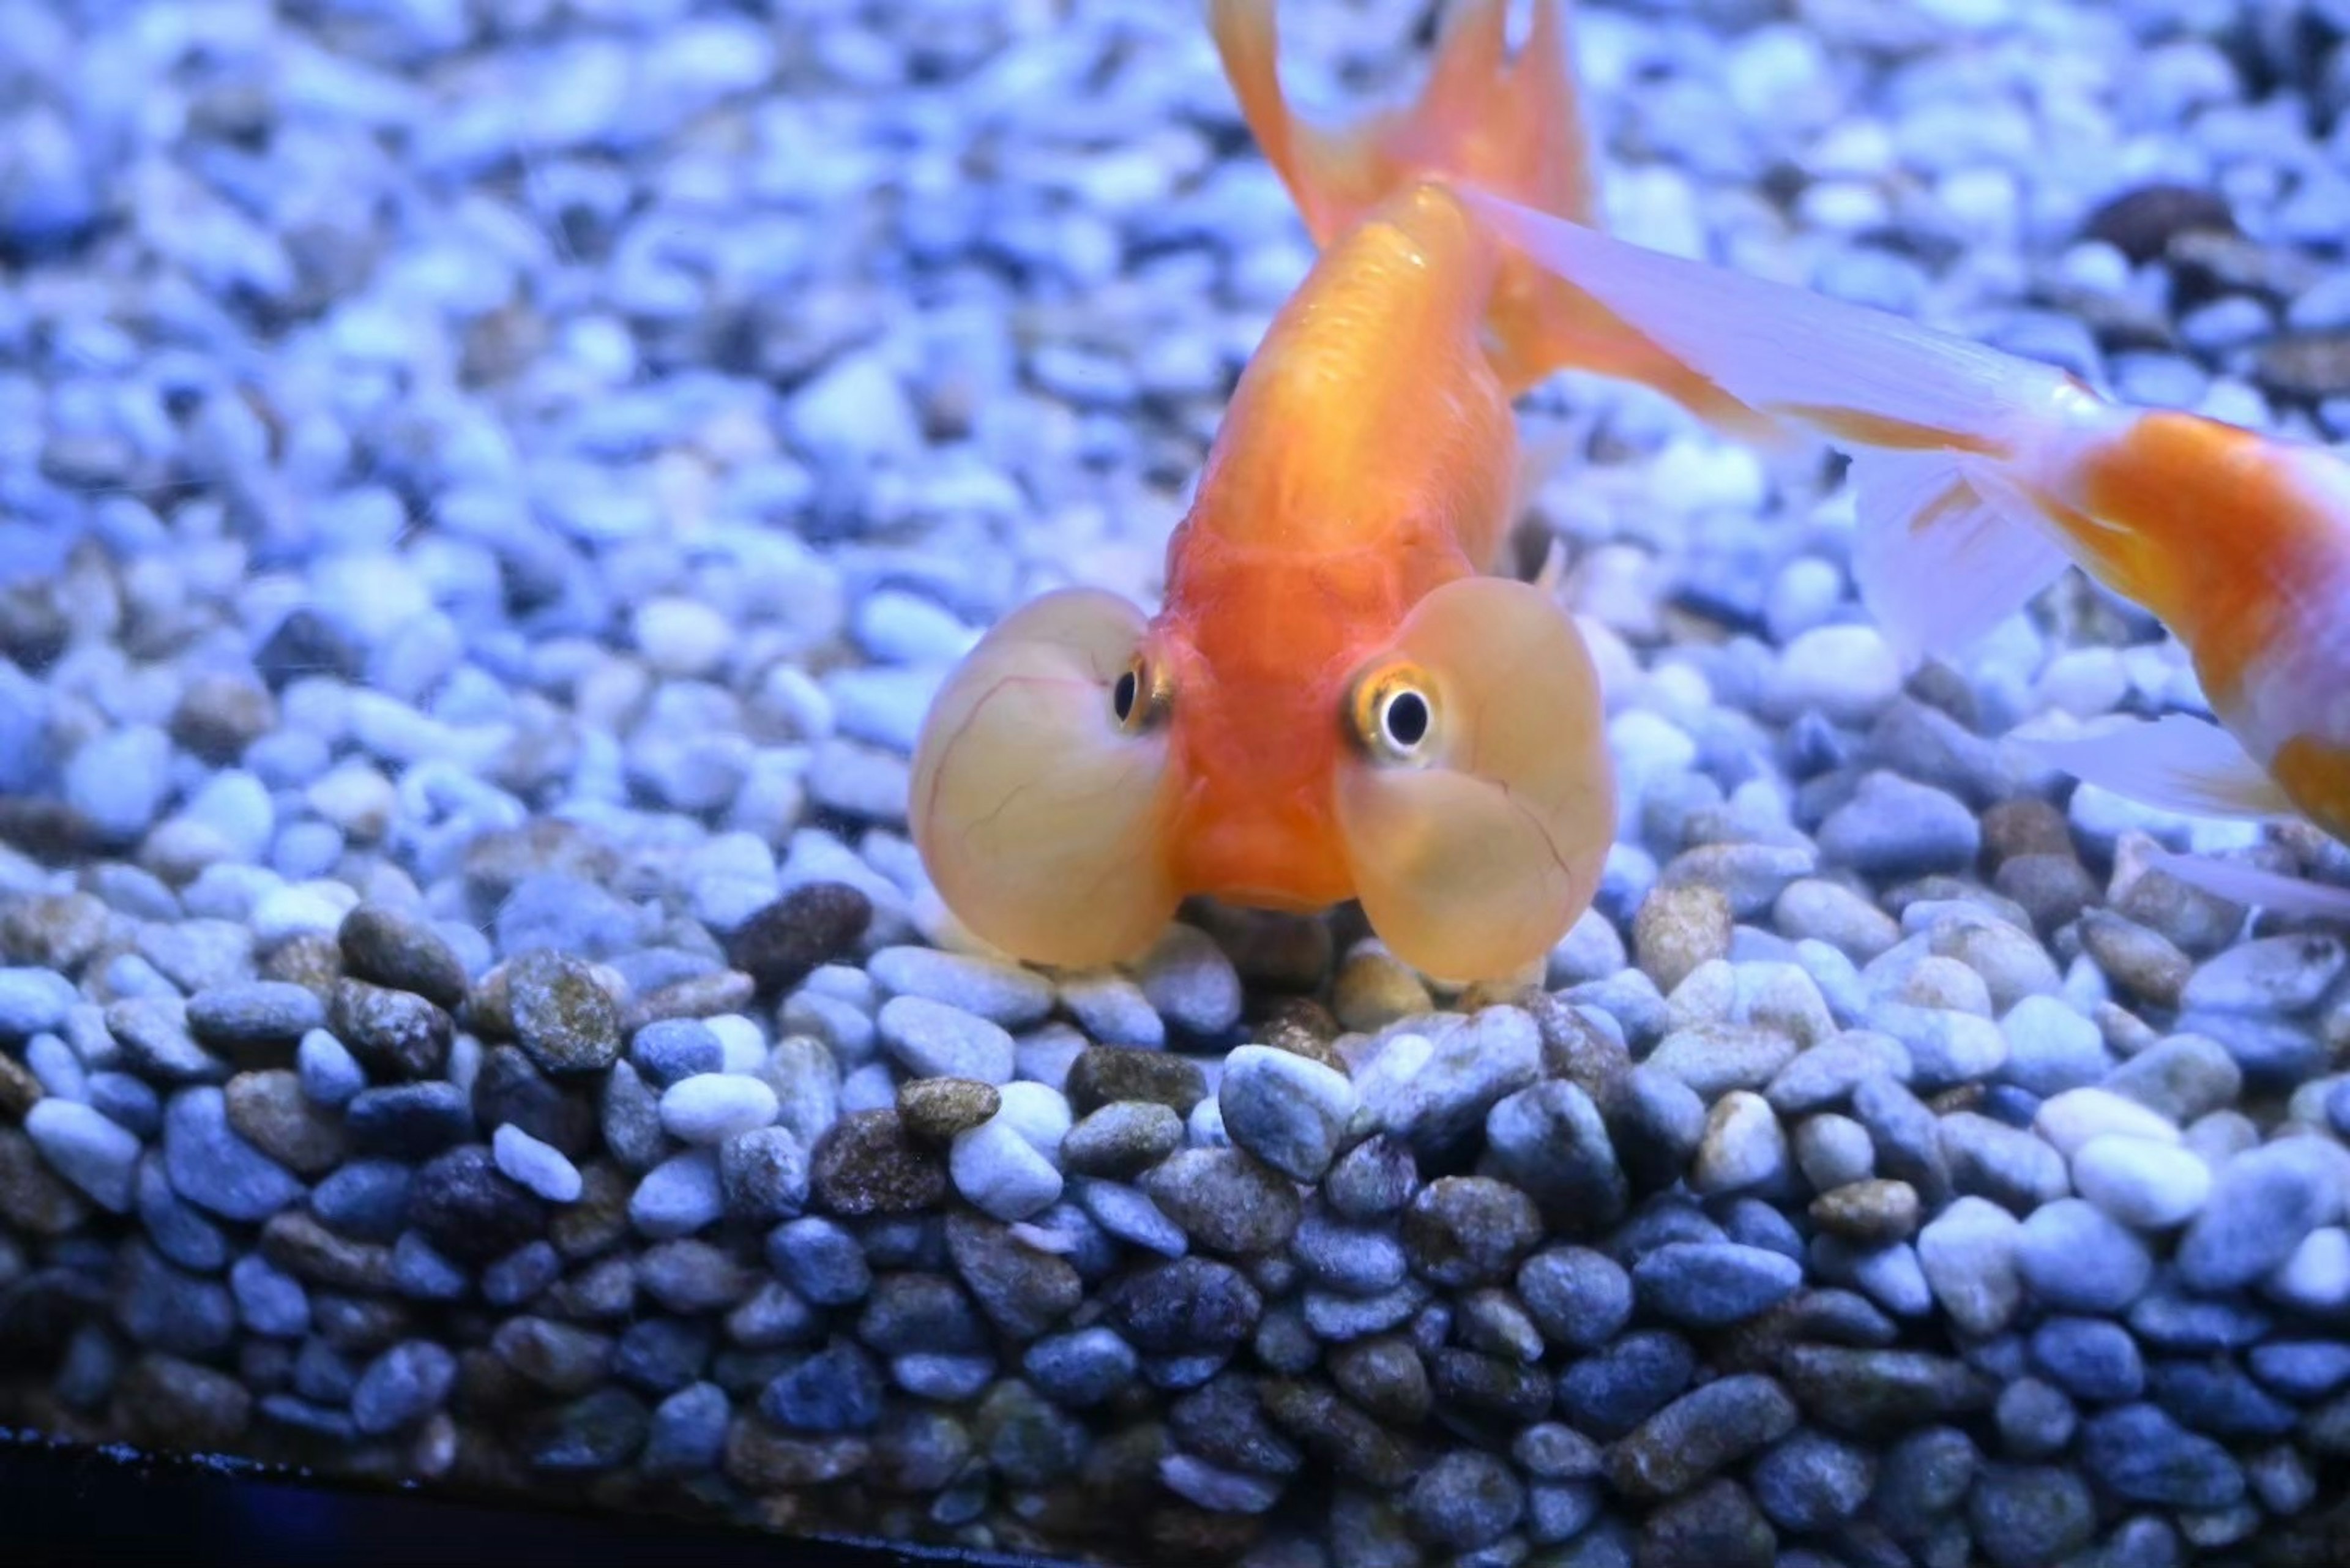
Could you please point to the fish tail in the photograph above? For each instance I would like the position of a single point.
(1510, 124)
(1978, 475)
(1487, 119)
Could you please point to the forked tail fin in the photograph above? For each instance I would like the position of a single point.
(1485, 119)
(1968, 463)
(1507, 125)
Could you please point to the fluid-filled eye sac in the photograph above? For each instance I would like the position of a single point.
(1041, 794)
(1478, 809)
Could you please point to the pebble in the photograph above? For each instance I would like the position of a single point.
(1287, 1111)
(1894, 827)
(2072, 1257)
(1699, 1433)
(1000, 1172)
(1707, 1285)
(1225, 1200)
(935, 1040)
(678, 1197)
(2263, 1205)
(1009, 997)
(1611, 1391)
(2149, 1185)
(708, 1108)
(95, 1154)
(535, 1165)
(210, 1166)
(1122, 1139)
(562, 1017)
(2144, 1456)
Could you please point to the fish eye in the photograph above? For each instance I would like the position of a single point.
(1405, 719)
(1137, 697)
(1394, 713)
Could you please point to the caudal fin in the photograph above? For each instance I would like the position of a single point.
(1961, 454)
(1485, 119)
(1507, 124)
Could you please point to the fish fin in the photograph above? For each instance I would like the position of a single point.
(1510, 124)
(1554, 569)
(1942, 551)
(2176, 763)
(2247, 885)
(1862, 377)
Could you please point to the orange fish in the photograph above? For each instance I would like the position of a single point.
(1333, 702)
(1979, 476)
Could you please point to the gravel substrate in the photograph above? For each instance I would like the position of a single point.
(486, 492)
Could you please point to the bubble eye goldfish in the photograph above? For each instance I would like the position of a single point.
(1979, 476)
(1333, 702)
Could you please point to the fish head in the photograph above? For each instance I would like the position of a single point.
(1085, 769)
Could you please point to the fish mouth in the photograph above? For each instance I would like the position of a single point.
(1280, 901)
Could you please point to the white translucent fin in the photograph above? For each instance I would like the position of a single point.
(2250, 886)
(1839, 367)
(2176, 762)
(1943, 552)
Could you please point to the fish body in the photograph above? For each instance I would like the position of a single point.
(1335, 700)
(1979, 476)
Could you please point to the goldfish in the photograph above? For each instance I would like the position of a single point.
(1337, 698)
(1979, 476)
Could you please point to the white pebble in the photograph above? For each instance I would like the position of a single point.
(1038, 1113)
(678, 1197)
(2140, 1182)
(681, 636)
(1848, 672)
(2317, 1278)
(1000, 1172)
(710, 1108)
(537, 1166)
(744, 1047)
(2069, 1120)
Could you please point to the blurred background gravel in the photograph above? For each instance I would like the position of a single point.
(487, 489)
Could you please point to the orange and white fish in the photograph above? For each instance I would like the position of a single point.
(1980, 475)
(1333, 702)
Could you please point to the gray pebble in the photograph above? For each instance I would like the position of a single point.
(213, 1168)
(94, 1153)
(403, 1385)
(2262, 1204)
(934, 1039)
(535, 1165)
(2073, 1257)
(1287, 1111)
(1708, 1284)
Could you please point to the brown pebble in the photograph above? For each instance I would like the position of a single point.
(2052, 889)
(810, 925)
(1104, 1075)
(1122, 1139)
(1679, 929)
(1375, 989)
(220, 715)
(2312, 366)
(52, 930)
(19, 1090)
(2025, 826)
(2145, 963)
(271, 1113)
(868, 1165)
(2139, 224)
(1874, 1213)
(935, 1109)
(312, 960)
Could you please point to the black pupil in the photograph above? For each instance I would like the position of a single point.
(1407, 718)
(1122, 696)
